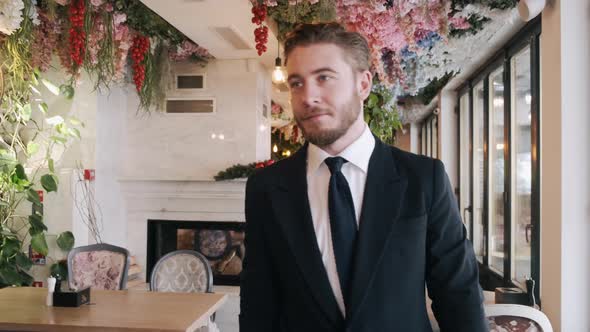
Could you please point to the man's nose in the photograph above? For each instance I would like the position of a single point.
(310, 95)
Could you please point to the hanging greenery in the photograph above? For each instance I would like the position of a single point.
(287, 13)
(430, 91)
(475, 22)
(239, 171)
(381, 115)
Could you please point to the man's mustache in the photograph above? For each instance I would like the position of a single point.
(314, 111)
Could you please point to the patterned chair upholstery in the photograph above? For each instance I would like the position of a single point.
(182, 271)
(99, 266)
(516, 318)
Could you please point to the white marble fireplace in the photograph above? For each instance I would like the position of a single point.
(145, 200)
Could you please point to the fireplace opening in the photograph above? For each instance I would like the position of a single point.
(221, 242)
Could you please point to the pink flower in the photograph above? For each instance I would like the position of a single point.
(62, 2)
(187, 49)
(96, 3)
(459, 23)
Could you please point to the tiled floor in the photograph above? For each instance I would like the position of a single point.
(226, 317)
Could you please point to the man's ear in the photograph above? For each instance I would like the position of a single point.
(364, 84)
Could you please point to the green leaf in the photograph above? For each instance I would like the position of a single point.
(49, 182)
(74, 132)
(39, 244)
(67, 91)
(59, 269)
(26, 112)
(55, 120)
(32, 148)
(43, 108)
(58, 139)
(37, 225)
(19, 170)
(51, 87)
(372, 101)
(50, 165)
(23, 261)
(75, 122)
(7, 158)
(65, 241)
(10, 276)
(10, 246)
(33, 196)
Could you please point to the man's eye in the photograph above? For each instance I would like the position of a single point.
(294, 84)
(323, 78)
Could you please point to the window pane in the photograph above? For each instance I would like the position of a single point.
(496, 203)
(423, 140)
(465, 141)
(428, 139)
(521, 165)
(434, 123)
(478, 176)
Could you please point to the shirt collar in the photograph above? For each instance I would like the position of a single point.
(358, 153)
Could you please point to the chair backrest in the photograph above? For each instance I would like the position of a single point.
(182, 271)
(99, 266)
(516, 318)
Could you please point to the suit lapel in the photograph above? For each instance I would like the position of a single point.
(291, 206)
(384, 191)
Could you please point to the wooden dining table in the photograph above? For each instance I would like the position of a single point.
(24, 309)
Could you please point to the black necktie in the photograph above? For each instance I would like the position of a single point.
(342, 223)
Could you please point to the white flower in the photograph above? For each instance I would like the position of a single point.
(33, 13)
(10, 15)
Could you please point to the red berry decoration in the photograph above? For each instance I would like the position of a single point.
(139, 49)
(260, 33)
(77, 34)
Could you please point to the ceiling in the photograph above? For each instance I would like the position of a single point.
(198, 20)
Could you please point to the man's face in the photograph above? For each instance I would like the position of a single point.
(326, 92)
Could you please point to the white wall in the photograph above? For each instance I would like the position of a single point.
(447, 120)
(415, 137)
(565, 164)
(181, 146)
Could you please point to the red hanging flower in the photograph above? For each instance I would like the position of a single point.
(77, 34)
(260, 33)
(139, 49)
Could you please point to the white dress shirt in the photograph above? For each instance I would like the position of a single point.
(318, 178)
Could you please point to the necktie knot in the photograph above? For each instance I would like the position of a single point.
(335, 164)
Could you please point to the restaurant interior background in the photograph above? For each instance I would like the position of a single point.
(135, 123)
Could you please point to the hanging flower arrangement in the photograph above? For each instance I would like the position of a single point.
(11, 15)
(114, 41)
(261, 32)
(408, 39)
(139, 49)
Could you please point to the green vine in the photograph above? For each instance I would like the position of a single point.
(381, 114)
(289, 16)
(427, 93)
(142, 19)
(476, 23)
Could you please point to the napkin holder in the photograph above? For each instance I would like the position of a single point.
(71, 298)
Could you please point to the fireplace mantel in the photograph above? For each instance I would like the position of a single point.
(219, 201)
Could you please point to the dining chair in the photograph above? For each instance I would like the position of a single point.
(184, 271)
(99, 266)
(516, 318)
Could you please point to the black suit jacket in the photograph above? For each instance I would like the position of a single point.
(410, 234)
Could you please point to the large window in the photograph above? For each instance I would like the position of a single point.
(521, 163)
(465, 162)
(429, 134)
(499, 164)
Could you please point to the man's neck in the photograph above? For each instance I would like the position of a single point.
(354, 132)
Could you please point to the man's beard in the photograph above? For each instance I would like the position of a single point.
(325, 137)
